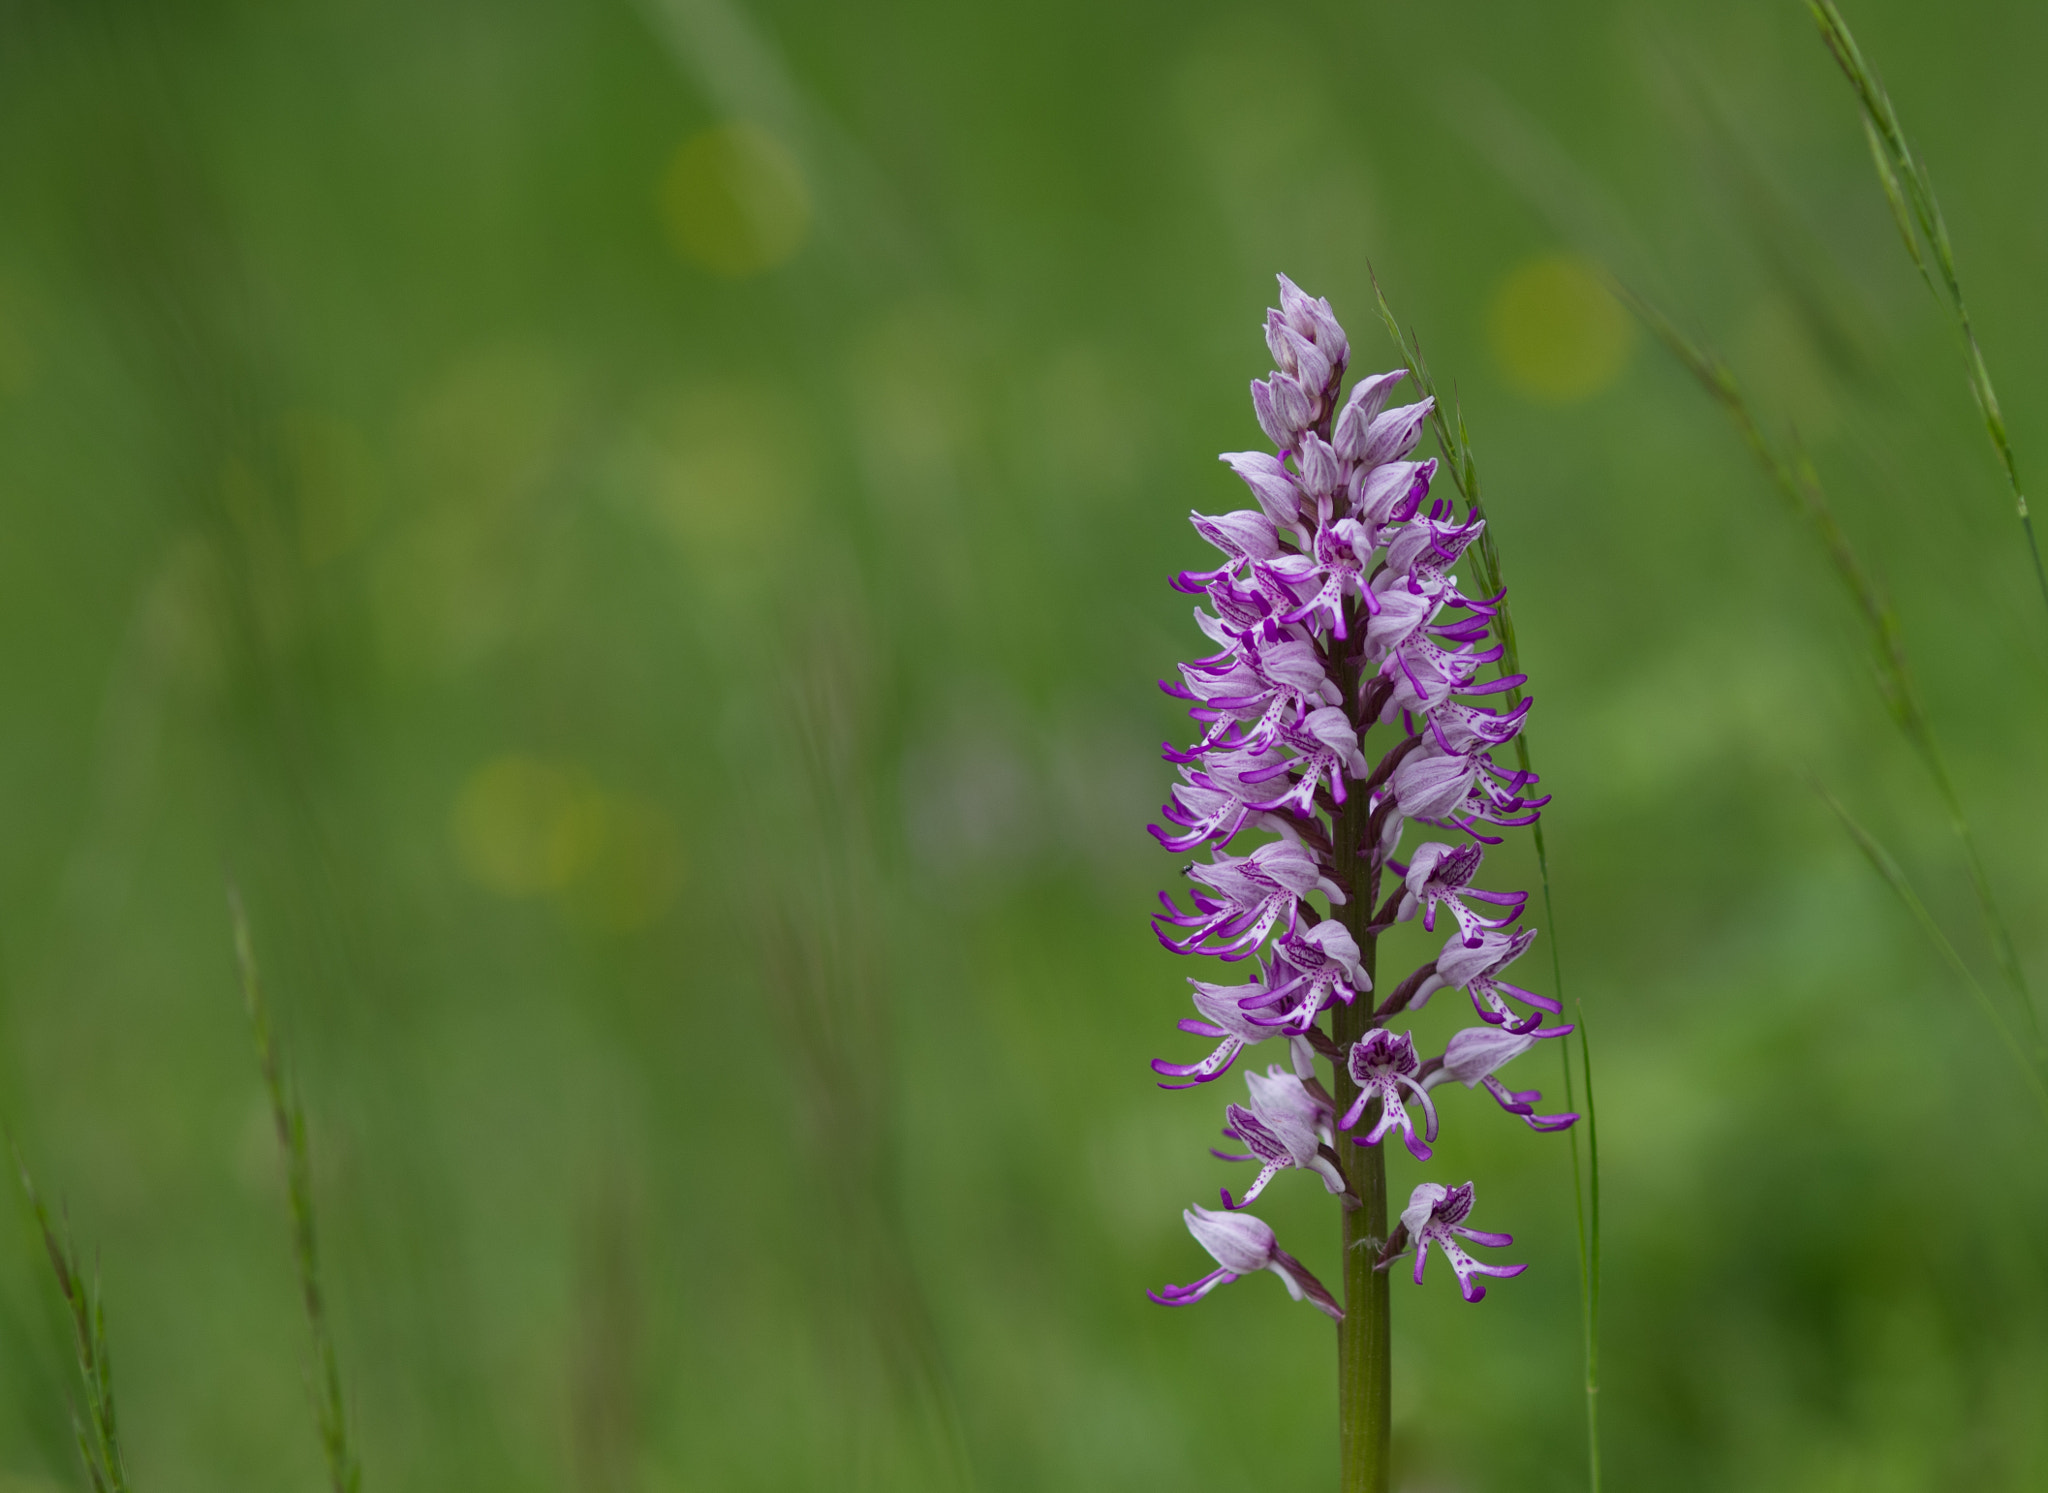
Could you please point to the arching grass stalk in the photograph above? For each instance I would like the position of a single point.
(97, 1429)
(288, 1118)
(1894, 876)
(1456, 446)
(1797, 481)
(1922, 229)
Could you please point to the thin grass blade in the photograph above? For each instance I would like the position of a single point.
(288, 1119)
(1799, 483)
(1591, 1269)
(1910, 191)
(1455, 444)
(1894, 876)
(96, 1429)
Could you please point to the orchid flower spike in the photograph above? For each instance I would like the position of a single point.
(1330, 607)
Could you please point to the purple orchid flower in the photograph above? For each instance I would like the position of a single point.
(1382, 1064)
(1437, 786)
(1436, 1215)
(1285, 1127)
(1389, 493)
(1426, 548)
(1225, 1017)
(1223, 1020)
(1334, 607)
(1477, 1052)
(1243, 1245)
(1271, 483)
(1476, 968)
(1230, 792)
(1246, 896)
(1309, 969)
(1442, 874)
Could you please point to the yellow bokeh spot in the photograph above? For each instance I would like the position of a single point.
(1557, 332)
(730, 468)
(524, 827)
(735, 201)
(635, 872)
(528, 828)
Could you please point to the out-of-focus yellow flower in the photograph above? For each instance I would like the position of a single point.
(1557, 333)
(735, 200)
(523, 827)
(528, 828)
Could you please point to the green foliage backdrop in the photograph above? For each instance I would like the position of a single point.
(637, 535)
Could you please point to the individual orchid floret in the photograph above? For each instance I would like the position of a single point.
(1426, 548)
(1390, 493)
(1442, 787)
(1311, 320)
(1383, 1064)
(1366, 433)
(1333, 570)
(1326, 748)
(1245, 537)
(1320, 475)
(1271, 483)
(1282, 1129)
(1285, 410)
(1232, 791)
(1269, 683)
(1243, 1245)
(1441, 874)
(1222, 1019)
(1244, 614)
(1425, 675)
(1477, 1052)
(1476, 968)
(1295, 1096)
(1464, 728)
(1226, 1019)
(1245, 897)
(1401, 613)
(1393, 433)
(1436, 1215)
(1309, 970)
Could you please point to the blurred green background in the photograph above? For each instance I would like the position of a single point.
(638, 536)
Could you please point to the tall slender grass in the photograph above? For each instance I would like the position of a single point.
(1797, 481)
(826, 979)
(1922, 229)
(1894, 876)
(96, 1427)
(1589, 1235)
(288, 1118)
(1456, 446)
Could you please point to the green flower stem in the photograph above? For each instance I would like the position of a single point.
(1365, 1367)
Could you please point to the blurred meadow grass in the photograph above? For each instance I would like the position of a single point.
(640, 533)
